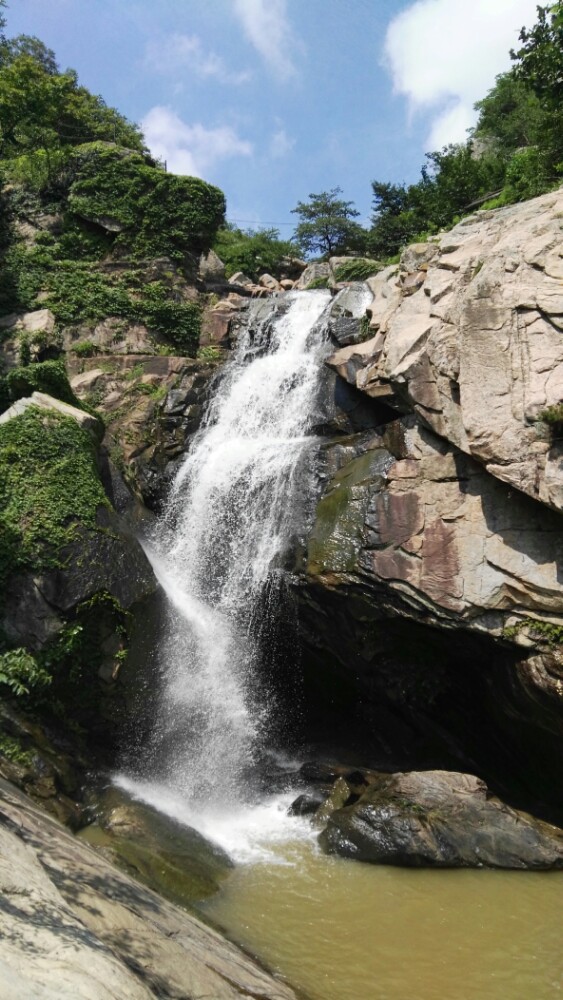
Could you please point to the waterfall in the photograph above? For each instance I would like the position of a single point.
(235, 506)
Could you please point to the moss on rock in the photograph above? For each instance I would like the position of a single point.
(49, 486)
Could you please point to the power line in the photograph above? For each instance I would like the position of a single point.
(266, 222)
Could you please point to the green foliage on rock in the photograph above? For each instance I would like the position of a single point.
(20, 672)
(357, 270)
(252, 252)
(49, 486)
(44, 376)
(178, 322)
(552, 415)
(152, 213)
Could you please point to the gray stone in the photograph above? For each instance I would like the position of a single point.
(313, 272)
(73, 927)
(269, 282)
(476, 350)
(211, 268)
(240, 279)
(46, 402)
(440, 819)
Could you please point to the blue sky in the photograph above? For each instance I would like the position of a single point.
(274, 99)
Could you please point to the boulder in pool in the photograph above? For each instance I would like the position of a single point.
(440, 819)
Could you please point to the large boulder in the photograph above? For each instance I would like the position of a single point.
(171, 858)
(473, 340)
(439, 819)
(314, 273)
(75, 927)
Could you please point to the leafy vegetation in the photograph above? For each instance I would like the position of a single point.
(514, 152)
(252, 252)
(327, 225)
(70, 157)
(317, 283)
(552, 415)
(538, 630)
(49, 485)
(150, 213)
(20, 673)
(45, 111)
(357, 270)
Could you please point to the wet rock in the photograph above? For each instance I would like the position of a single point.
(339, 796)
(74, 926)
(440, 819)
(307, 803)
(346, 330)
(171, 858)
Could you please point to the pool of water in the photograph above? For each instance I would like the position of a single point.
(342, 930)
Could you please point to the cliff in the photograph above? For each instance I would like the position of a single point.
(433, 571)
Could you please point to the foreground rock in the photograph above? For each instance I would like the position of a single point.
(439, 819)
(74, 927)
(172, 859)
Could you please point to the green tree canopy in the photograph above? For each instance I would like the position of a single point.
(253, 252)
(42, 109)
(327, 225)
(539, 60)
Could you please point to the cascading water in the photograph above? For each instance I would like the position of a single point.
(234, 507)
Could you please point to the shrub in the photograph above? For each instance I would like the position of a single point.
(552, 414)
(85, 348)
(20, 672)
(153, 214)
(49, 485)
(357, 270)
(44, 376)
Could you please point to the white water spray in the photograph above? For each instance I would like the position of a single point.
(235, 505)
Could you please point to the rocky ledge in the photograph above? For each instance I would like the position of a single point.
(73, 926)
(434, 819)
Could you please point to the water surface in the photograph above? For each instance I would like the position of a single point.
(342, 930)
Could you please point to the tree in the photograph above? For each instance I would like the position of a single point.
(327, 225)
(252, 252)
(28, 45)
(539, 60)
(41, 109)
(510, 116)
(539, 65)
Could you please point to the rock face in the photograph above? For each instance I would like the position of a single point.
(151, 406)
(431, 599)
(75, 927)
(476, 351)
(439, 819)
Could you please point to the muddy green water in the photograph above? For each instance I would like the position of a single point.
(342, 930)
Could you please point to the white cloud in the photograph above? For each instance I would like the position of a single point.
(444, 55)
(266, 25)
(177, 52)
(190, 149)
(280, 144)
